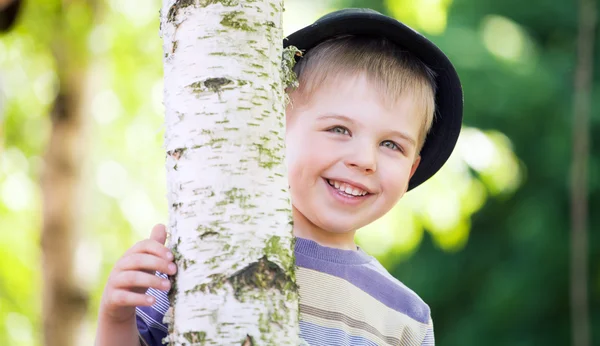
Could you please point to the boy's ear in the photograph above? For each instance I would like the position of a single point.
(413, 169)
(415, 166)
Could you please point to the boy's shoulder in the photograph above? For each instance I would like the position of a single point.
(418, 305)
(362, 280)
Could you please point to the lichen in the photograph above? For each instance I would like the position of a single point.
(204, 3)
(180, 4)
(237, 194)
(236, 20)
(177, 259)
(266, 157)
(214, 141)
(289, 79)
(262, 275)
(274, 249)
(169, 320)
(195, 337)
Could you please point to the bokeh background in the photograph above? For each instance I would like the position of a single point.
(486, 242)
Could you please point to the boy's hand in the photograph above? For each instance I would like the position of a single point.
(134, 273)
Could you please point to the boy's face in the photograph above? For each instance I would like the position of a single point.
(345, 135)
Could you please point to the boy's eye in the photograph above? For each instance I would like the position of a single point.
(339, 129)
(391, 145)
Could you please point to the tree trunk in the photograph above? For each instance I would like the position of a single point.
(64, 301)
(229, 207)
(9, 11)
(580, 320)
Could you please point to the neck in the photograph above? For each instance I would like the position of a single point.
(303, 228)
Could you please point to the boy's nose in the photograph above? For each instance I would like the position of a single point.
(362, 158)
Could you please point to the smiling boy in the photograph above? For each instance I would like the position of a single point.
(360, 132)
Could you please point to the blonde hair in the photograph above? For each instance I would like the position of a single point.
(391, 69)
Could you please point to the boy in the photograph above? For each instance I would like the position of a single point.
(355, 138)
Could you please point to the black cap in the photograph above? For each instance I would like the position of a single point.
(448, 99)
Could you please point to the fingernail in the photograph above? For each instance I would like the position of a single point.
(172, 267)
(149, 299)
(166, 283)
(169, 255)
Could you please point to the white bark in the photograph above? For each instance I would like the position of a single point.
(227, 185)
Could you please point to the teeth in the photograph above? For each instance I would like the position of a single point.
(347, 188)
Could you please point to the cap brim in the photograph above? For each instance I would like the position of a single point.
(449, 97)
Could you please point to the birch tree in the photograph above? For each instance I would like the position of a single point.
(229, 207)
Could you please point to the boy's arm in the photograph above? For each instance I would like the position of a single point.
(429, 338)
(126, 290)
(150, 324)
(110, 333)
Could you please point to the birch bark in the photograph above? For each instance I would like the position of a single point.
(229, 207)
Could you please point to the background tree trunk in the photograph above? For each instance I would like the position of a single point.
(64, 301)
(580, 321)
(227, 184)
(9, 11)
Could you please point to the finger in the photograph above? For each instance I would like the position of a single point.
(124, 298)
(146, 262)
(159, 233)
(151, 247)
(136, 279)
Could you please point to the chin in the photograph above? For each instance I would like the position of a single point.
(339, 228)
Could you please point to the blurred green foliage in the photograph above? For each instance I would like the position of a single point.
(485, 242)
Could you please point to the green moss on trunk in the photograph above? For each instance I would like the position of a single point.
(204, 3)
(195, 337)
(288, 61)
(180, 4)
(236, 21)
(259, 276)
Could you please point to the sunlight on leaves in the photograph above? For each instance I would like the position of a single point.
(310, 10)
(111, 179)
(19, 329)
(482, 165)
(17, 192)
(106, 107)
(428, 16)
(507, 40)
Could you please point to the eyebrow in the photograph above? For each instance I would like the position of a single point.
(345, 118)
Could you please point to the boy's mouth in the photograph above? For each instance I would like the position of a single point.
(347, 188)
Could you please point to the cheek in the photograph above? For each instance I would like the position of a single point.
(395, 179)
(306, 159)
(296, 160)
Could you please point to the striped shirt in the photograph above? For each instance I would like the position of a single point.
(347, 298)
